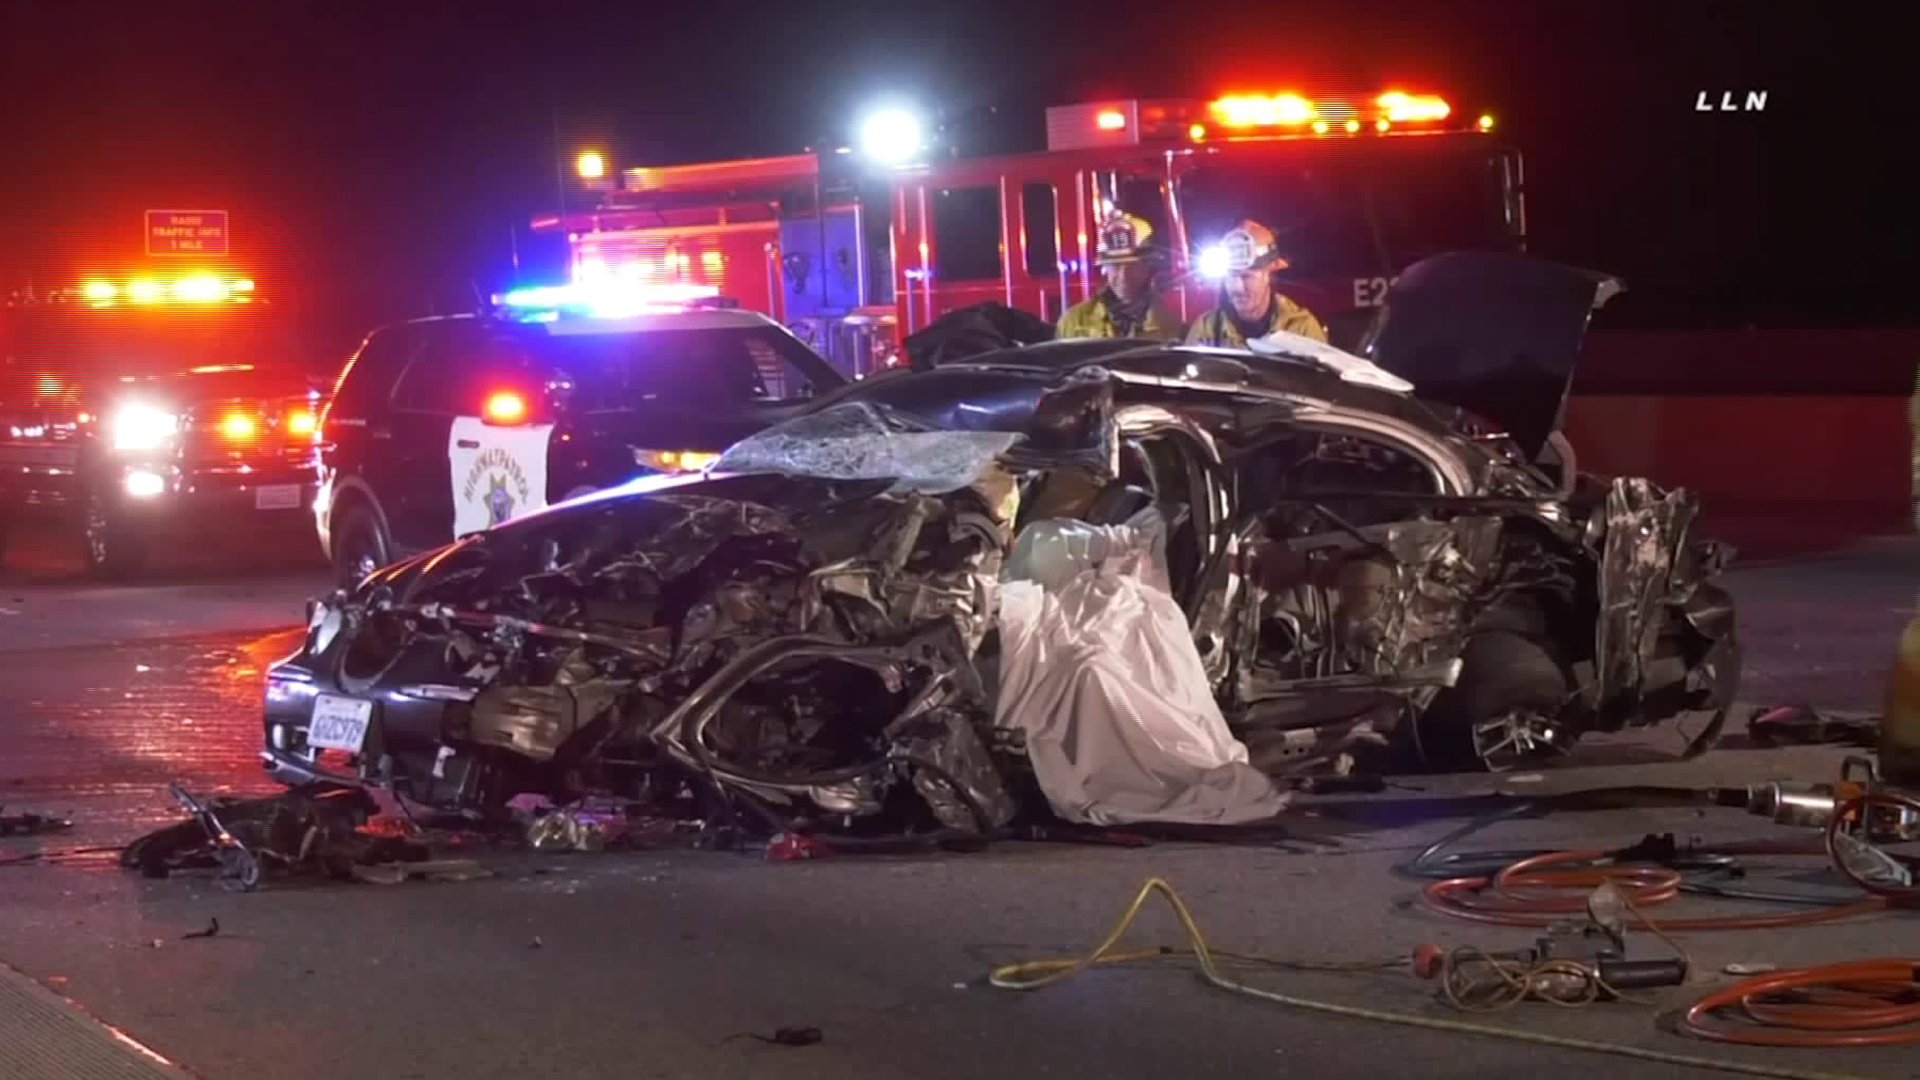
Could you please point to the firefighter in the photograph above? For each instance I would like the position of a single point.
(1129, 306)
(1249, 308)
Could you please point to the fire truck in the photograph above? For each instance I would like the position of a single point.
(148, 406)
(855, 249)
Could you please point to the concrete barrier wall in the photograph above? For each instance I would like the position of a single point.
(1785, 422)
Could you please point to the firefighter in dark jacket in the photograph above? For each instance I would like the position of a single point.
(1128, 306)
(1249, 308)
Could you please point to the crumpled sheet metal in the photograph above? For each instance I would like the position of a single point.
(856, 441)
(1646, 528)
(1103, 679)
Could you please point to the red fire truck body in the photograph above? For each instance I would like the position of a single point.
(855, 257)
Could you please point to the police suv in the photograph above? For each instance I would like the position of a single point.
(143, 411)
(444, 426)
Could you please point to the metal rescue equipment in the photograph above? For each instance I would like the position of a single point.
(855, 251)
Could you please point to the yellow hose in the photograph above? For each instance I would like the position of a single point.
(1034, 974)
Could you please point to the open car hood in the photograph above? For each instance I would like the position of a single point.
(1495, 334)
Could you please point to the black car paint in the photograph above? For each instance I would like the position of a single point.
(379, 452)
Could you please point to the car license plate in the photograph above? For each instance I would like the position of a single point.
(276, 497)
(339, 723)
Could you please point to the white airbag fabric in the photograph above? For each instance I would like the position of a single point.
(1100, 672)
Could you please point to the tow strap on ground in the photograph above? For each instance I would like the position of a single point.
(1034, 974)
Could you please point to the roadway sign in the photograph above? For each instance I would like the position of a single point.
(187, 232)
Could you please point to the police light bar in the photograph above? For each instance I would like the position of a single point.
(149, 290)
(603, 299)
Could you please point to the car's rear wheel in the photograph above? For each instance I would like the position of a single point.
(114, 547)
(1506, 710)
(360, 546)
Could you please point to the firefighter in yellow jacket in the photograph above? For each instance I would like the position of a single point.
(1128, 306)
(1249, 307)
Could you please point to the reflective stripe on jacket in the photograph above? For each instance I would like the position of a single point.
(1217, 327)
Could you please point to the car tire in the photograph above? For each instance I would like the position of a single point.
(1506, 709)
(114, 548)
(360, 546)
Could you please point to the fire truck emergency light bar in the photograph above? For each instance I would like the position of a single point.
(603, 299)
(191, 289)
(1239, 116)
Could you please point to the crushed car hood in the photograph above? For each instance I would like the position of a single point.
(1496, 334)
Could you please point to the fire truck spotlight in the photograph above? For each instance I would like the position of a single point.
(1486, 123)
(891, 136)
(302, 422)
(1215, 263)
(100, 292)
(141, 484)
(142, 427)
(591, 165)
(1113, 120)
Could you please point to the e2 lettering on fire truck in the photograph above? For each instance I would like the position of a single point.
(143, 409)
(856, 250)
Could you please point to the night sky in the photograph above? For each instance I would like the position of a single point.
(378, 157)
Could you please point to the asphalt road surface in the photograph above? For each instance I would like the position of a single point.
(667, 964)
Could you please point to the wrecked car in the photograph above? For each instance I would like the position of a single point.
(810, 628)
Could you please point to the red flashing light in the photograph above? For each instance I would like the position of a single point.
(505, 407)
(1112, 120)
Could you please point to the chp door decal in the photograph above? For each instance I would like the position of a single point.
(499, 473)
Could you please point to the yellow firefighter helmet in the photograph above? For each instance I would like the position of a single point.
(1126, 238)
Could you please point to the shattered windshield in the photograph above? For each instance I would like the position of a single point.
(863, 441)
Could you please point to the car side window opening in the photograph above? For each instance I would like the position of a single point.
(1346, 473)
(433, 381)
(690, 369)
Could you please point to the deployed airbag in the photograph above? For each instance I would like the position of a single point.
(1102, 676)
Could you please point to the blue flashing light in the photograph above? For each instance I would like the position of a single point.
(601, 300)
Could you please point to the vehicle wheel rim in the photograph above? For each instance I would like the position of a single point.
(1517, 737)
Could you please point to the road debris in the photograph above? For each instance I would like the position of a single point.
(786, 1036)
(31, 824)
(213, 927)
(1802, 725)
(430, 870)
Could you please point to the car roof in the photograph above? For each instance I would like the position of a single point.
(1206, 370)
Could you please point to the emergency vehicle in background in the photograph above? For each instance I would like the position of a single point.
(856, 251)
(146, 406)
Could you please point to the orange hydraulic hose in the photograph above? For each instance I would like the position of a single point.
(1859, 1003)
(1532, 893)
